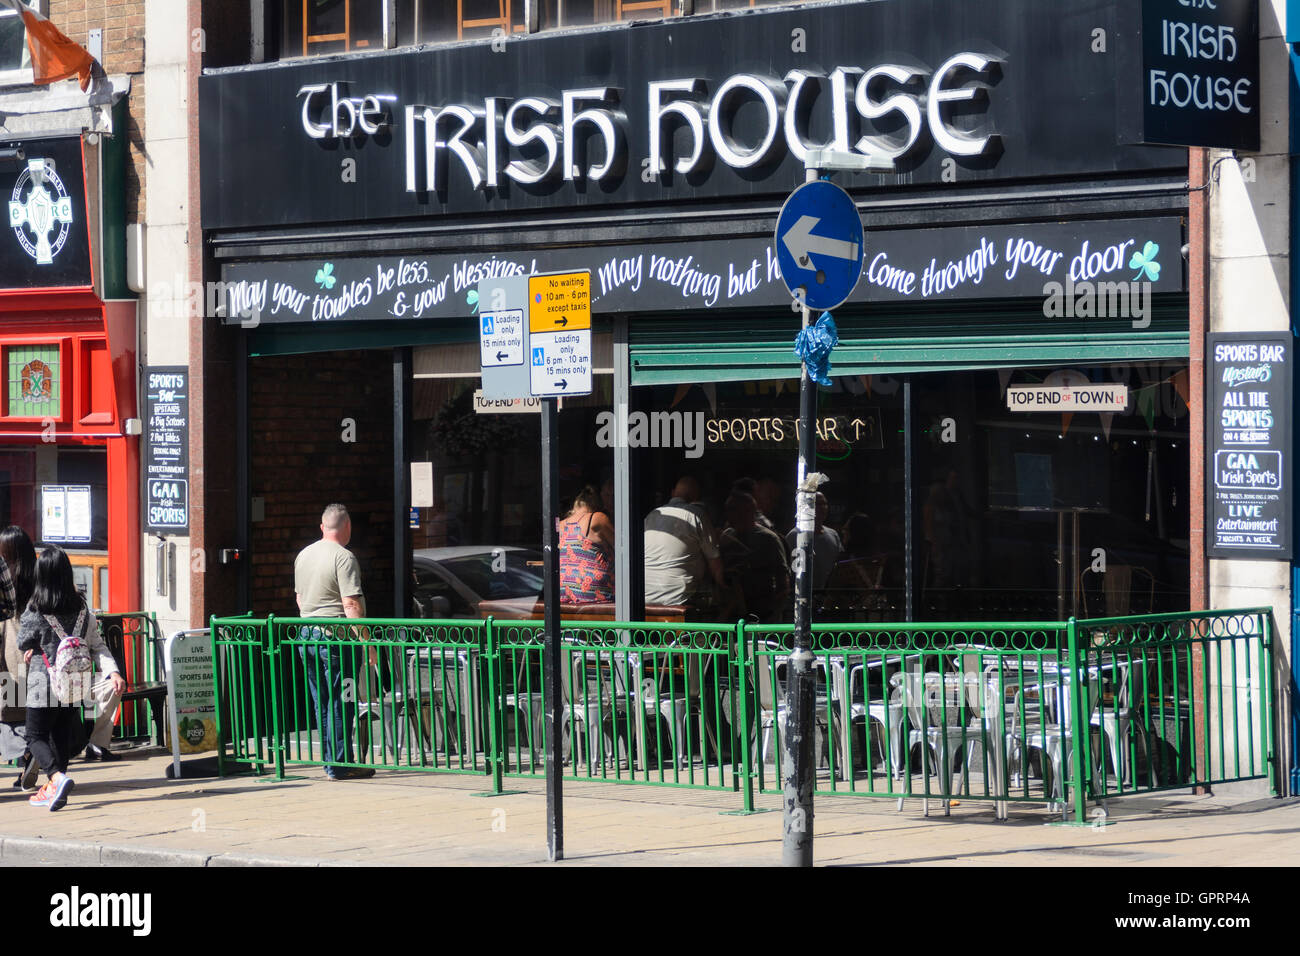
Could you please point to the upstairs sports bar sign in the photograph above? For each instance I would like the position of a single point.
(695, 108)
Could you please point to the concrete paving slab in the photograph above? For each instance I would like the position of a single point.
(127, 813)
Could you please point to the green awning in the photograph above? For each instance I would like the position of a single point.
(1005, 335)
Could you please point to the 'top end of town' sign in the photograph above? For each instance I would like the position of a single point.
(1199, 81)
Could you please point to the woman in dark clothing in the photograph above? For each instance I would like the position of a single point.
(55, 601)
(20, 557)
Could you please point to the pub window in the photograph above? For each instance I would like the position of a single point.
(15, 58)
(442, 21)
(58, 495)
(34, 381)
(315, 27)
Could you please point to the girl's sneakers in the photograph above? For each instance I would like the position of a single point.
(61, 791)
(54, 796)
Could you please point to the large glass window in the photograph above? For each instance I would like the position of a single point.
(1017, 515)
(476, 508)
(58, 495)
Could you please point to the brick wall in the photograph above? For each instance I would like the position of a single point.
(300, 463)
(123, 24)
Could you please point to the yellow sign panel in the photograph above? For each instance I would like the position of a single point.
(559, 303)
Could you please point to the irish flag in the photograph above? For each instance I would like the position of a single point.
(54, 56)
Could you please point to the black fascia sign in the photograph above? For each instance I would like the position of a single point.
(44, 230)
(1118, 263)
(1198, 83)
(687, 109)
(1248, 457)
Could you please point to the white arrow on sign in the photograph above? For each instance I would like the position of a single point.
(801, 243)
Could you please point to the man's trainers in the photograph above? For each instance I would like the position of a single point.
(59, 798)
(349, 773)
(43, 796)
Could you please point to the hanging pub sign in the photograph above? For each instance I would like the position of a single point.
(1198, 83)
(167, 449)
(44, 233)
(1248, 458)
(1102, 269)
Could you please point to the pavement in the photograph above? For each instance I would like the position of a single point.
(127, 813)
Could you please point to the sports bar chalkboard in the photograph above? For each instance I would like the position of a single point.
(167, 448)
(1248, 466)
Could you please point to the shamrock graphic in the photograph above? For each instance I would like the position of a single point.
(471, 298)
(1145, 262)
(325, 276)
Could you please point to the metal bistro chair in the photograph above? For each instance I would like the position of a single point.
(851, 709)
(522, 705)
(679, 702)
(596, 697)
(769, 674)
(438, 690)
(1048, 727)
(1119, 722)
(953, 729)
(123, 634)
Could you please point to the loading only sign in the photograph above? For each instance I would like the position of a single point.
(501, 338)
(559, 334)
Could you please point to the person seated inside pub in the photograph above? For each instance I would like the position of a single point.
(586, 551)
(826, 544)
(683, 565)
(755, 559)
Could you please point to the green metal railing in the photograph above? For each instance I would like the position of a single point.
(1057, 713)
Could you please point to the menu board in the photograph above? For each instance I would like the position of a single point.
(1248, 466)
(167, 444)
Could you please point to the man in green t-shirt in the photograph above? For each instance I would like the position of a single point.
(327, 580)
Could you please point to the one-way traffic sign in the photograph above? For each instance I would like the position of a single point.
(819, 244)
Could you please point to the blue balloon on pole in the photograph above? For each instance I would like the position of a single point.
(819, 244)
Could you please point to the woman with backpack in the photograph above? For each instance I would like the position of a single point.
(58, 636)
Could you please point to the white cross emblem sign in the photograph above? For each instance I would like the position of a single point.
(47, 216)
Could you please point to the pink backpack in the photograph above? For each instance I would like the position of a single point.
(73, 667)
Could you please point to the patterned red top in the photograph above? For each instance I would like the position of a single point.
(586, 565)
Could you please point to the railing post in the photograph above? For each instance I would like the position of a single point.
(1082, 730)
(496, 707)
(1268, 710)
(277, 737)
(742, 697)
(216, 696)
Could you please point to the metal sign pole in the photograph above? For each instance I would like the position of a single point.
(552, 689)
(797, 743)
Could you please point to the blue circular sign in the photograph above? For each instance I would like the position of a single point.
(819, 244)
